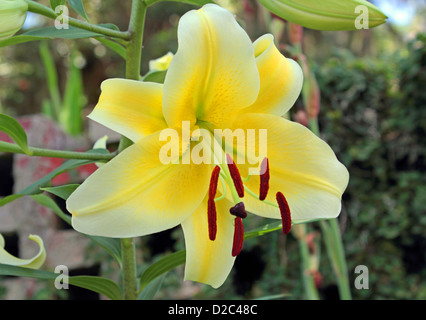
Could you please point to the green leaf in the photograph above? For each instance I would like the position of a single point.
(51, 78)
(55, 3)
(162, 266)
(119, 49)
(100, 285)
(152, 288)
(70, 33)
(155, 76)
(78, 6)
(13, 129)
(73, 102)
(62, 192)
(19, 39)
(111, 245)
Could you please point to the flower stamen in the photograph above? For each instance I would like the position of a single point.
(264, 179)
(235, 175)
(212, 218)
(211, 205)
(237, 245)
(239, 210)
(213, 182)
(285, 212)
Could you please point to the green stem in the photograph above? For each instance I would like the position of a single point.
(343, 279)
(308, 280)
(47, 12)
(129, 269)
(134, 47)
(334, 243)
(133, 66)
(13, 148)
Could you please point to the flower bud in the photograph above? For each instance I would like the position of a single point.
(328, 14)
(162, 63)
(12, 17)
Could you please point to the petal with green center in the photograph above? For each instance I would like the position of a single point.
(281, 79)
(214, 73)
(302, 166)
(207, 261)
(32, 263)
(131, 108)
(136, 194)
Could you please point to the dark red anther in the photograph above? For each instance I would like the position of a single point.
(285, 212)
(211, 205)
(239, 210)
(212, 219)
(264, 179)
(213, 182)
(237, 245)
(235, 175)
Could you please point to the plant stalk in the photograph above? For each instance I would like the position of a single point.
(13, 148)
(129, 269)
(133, 66)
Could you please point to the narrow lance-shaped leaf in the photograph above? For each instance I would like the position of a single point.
(100, 285)
(55, 3)
(13, 129)
(78, 6)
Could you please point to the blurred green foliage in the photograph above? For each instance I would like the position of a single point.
(373, 115)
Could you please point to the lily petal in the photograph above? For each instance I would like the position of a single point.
(302, 166)
(33, 263)
(281, 79)
(213, 73)
(131, 108)
(136, 194)
(209, 261)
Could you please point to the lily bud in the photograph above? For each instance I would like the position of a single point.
(162, 63)
(12, 17)
(328, 14)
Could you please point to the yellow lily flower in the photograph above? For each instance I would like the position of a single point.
(218, 79)
(32, 263)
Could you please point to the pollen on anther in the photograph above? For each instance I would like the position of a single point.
(237, 245)
(235, 175)
(212, 218)
(213, 182)
(285, 212)
(264, 179)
